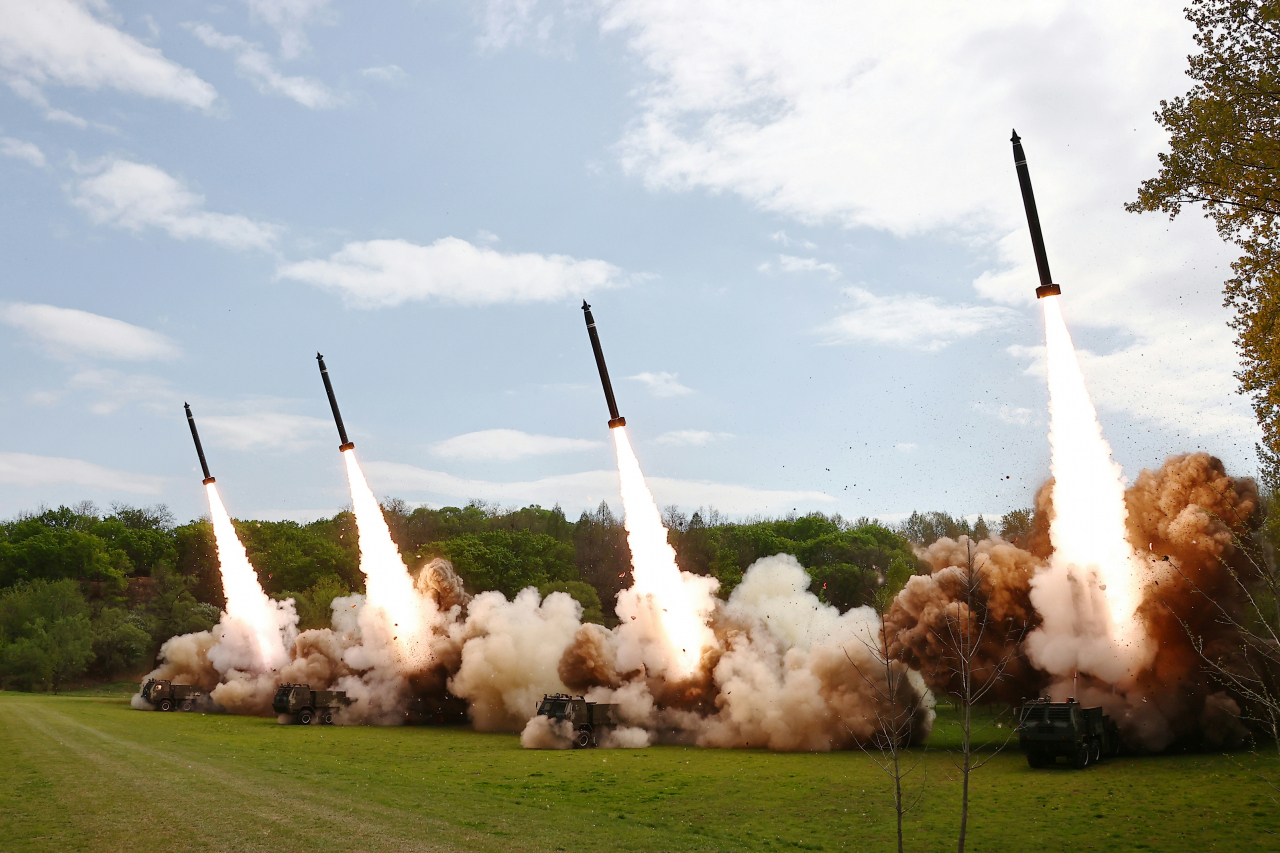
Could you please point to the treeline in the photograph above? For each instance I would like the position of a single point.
(91, 593)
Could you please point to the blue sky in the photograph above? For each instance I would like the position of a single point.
(798, 225)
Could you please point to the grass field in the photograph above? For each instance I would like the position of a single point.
(86, 772)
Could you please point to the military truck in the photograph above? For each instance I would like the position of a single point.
(1048, 730)
(305, 706)
(168, 696)
(589, 719)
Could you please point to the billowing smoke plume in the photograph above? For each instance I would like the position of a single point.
(1189, 511)
(239, 657)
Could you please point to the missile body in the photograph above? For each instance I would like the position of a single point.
(615, 419)
(204, 466)
(333, 404)
(1047, 287)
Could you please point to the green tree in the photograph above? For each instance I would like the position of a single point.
(120, 640)
(45, 635)
(315, 605)
(583, 593)
(1224, 156)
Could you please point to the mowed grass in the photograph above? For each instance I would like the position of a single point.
(86, 772)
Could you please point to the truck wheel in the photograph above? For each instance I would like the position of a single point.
(1082, 756)
(305, 716)
(1097, 752)
(187, 706)
(583, 739)
(166, 705)
(327, 719)
(1037, 760)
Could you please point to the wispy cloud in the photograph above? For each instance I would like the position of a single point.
(136, 196)
(382, 273)
(662, 384)
(21, 150)
(588, 488)
(691, 437)
(114, 390)
(508, 444)
(290, 18)
(67, 333)
(265, 430)
(26, 470)
(385, 73)
(62, 42)
(788, 241)
(911, 320)
(259, 68)
(790, 263)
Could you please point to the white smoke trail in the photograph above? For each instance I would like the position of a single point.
(664, 613)
(1089, 595)
(394, 607)
(249, 608)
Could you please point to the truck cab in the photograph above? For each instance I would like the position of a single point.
(588, 720)
(1049, 730)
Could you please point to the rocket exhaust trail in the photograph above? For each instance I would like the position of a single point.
(389, 591)
(1089, 596)
(658, 581)
(246, 602)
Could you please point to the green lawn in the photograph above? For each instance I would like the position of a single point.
(86, 772)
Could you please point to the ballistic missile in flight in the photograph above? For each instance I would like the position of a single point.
(1047, 287)
(615, 419)
(333, 404)
(204, 466)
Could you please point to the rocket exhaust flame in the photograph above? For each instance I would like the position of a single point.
(668, 603)
(246, 602)
(1090, 594)
(407, 616)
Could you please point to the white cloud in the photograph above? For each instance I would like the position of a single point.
(508, 444)
(587, 489)
(21, 150)
(380, 273)
(265, 430)
(289, 18)
(385, 73)
(115, 390)
(910, 320)
(784, 239)
(802, 114)
(67, 332)
(691, 437)
(28, 471)
(662, 384)
(905, 446)
(1015, 415)
(137, 196)
(259, 68)
(62, 42)
(790, 263)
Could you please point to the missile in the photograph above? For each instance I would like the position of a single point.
(1047, 287)
(615, 419)
(204, 466)
(333, 404)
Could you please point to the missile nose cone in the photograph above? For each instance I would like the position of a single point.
(585, 306)
(1015, 138)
